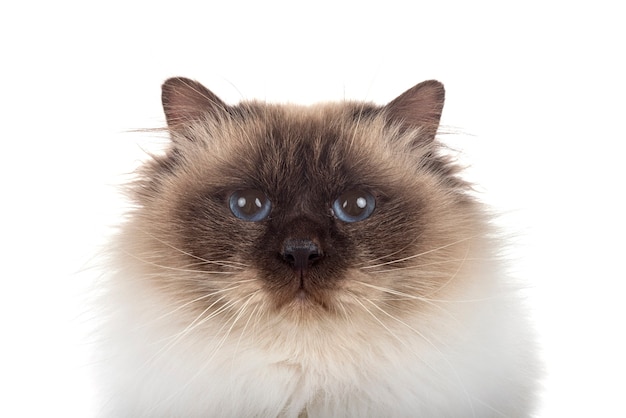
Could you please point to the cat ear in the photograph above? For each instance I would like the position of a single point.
(419, 106)
(186, 100)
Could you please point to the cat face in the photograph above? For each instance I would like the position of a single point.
(303, 213)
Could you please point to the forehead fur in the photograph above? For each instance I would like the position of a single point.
(272, 146)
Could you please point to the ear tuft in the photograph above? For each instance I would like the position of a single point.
(186, 100)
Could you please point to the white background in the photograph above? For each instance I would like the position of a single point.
(535, 94)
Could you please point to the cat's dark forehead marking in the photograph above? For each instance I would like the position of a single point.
(308, 148)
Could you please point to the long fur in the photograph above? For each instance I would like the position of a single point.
(408, 314)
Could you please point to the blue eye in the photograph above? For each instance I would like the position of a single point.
(354, 206)
(250, 205)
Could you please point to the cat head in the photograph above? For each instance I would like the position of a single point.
(300, 212)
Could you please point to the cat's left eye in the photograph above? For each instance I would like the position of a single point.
(354, 206)
(250, 205)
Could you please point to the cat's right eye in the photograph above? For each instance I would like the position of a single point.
(250, 205)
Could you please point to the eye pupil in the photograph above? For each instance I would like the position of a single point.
(250, 205)
(354, 206)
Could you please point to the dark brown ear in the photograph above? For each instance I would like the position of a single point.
(419, 106)
(186, 100)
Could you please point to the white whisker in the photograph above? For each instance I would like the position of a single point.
(391, 333)
(235, 318)
(245, 327)
(419, 267)
(178, 269)
(497, 411)
(399, 260)
(232, 264)
(205, 296)
(371, 260)
(455, 274)
(405, 296)
(175, 338)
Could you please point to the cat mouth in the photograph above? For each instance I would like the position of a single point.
(302, 299)
(307, 292)
(301, 294)
(304, 288)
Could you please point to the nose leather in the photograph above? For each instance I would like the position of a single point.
(301, 253)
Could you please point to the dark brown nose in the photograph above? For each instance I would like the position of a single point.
(301, 253)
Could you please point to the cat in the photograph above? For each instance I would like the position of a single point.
(310, 261)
